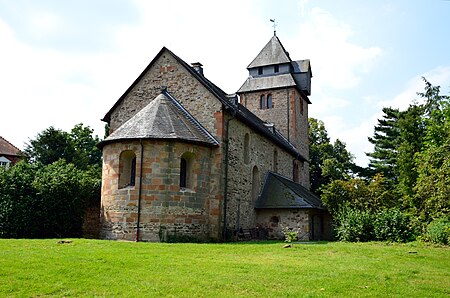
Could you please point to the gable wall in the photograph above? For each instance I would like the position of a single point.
(166, 71)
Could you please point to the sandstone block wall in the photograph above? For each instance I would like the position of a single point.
(165, 207)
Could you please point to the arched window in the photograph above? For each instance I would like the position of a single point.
(127, 169)
(186, 179)
(247, 148)
(269, 101)
(275, 160)
(255, 183)
(262, 102)
(296, 172)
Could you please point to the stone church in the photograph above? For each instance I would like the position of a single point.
(185, 159)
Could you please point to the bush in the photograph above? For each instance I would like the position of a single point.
(438, 231)
(45, 200)
(393, 225)
(353, 225)
(356, 225)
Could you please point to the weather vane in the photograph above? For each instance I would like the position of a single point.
(274, 26)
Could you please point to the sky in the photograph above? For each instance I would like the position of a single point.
(67, 62)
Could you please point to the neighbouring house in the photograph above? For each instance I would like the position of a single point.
(184, 158)
(9, 154)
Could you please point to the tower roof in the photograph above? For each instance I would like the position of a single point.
(163, 118)
(272, 53)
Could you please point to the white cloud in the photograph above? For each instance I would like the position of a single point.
(439, 76)
(42, 24)
(338, 62)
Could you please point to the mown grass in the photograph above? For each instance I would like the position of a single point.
(94, 268)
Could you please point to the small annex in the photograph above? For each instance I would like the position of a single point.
(9, 154)
(185, 159)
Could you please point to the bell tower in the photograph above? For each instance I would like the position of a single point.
(277, 91)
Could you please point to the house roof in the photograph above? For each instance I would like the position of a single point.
(163, 118)
(6, 148)
(272, 53)
(282, 193)
(228, 101)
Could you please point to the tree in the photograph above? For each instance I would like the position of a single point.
(432, 188)
(328, 161)
(386, 142)
(77, 147)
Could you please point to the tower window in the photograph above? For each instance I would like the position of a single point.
(276, 69)
(265, 102)
(262, 102)
(260, 70)
(269, 101)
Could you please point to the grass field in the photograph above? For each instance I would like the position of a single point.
(94, 268)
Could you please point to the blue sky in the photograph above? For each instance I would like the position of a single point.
(66, 62)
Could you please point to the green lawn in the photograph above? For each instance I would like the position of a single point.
(94, 268)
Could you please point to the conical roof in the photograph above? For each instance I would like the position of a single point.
(272, 53)
(163, 118)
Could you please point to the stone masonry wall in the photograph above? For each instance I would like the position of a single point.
(293, 125)
(165, 207)
(275, 219)
(166, 71)
(240, 205)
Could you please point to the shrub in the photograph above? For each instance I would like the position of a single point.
(393, 225)
(353, 225)
(438, 231)
(45, 200)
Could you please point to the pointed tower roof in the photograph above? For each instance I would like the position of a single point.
(163, 118)
(272, 53)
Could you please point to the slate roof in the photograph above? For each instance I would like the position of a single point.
(6, 148)
(228, 101)
(163, 118)
(301, 65)
(280, 192)
(272, 53)
(269, 82)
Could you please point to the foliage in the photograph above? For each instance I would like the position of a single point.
(45, 200)
(360, 225)
(394, 226)
(353, 225)
(385, 140)
(290, 234)
(94, 268)
(373, 195)
(78, 147)
(328, 161)
(438, 231)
